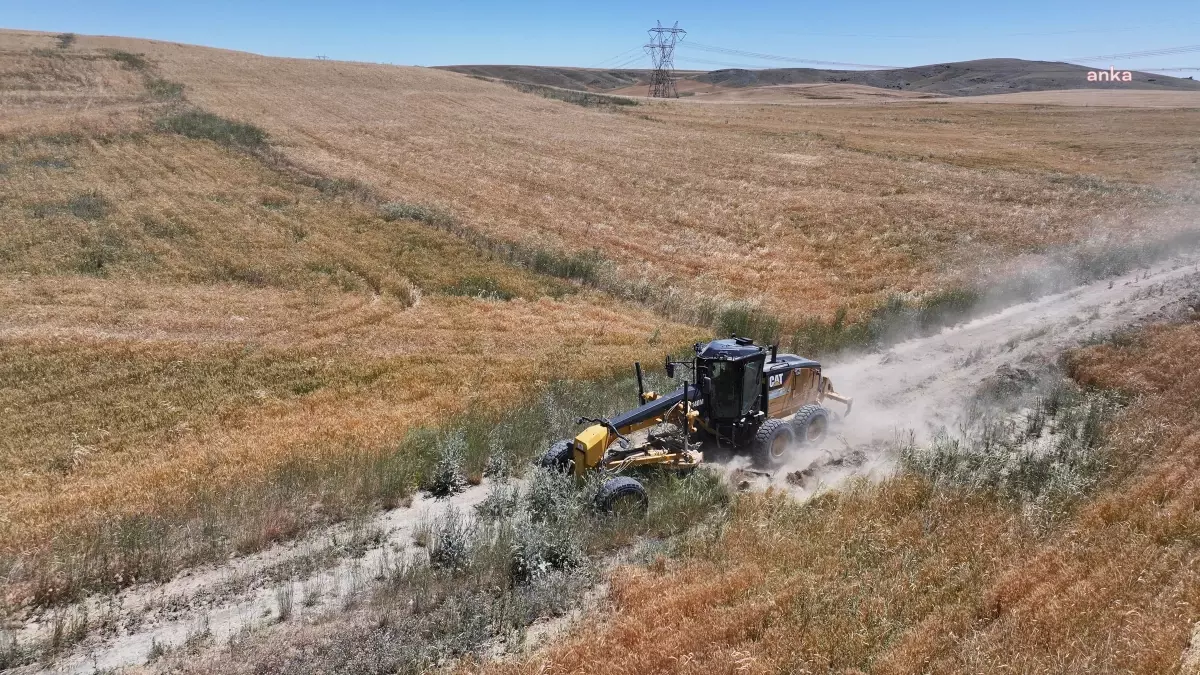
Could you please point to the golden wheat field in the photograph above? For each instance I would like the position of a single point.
(771, 204)
(177, 315)
(765, 203)
(180, 316)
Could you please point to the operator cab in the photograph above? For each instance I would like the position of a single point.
(730, 373)
(742, 384)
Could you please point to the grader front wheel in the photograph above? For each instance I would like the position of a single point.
(558, 457)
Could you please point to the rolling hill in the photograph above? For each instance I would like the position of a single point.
(963, 78)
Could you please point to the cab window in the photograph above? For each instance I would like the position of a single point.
(724, 394)
(751, 379)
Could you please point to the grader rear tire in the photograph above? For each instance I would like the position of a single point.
(771, 444)
(810, 424)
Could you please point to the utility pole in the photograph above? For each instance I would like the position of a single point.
(661, 49)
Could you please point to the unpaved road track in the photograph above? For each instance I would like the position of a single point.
(225, 599)
(921, 386)
(918, 385)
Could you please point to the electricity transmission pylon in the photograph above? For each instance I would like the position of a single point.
(662, 51)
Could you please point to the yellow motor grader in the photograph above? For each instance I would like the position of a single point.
(741, 396)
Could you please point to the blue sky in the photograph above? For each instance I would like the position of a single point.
(578, 34)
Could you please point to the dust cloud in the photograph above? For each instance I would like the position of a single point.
(923, 386)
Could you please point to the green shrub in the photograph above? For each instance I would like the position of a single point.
(424, 214)
(203, 125)
(130, 60)
(65, 40)
(550, 496)
(48, 163)
(448, 476)
(95, 261)
(584, 267)
(164, 90)
(338, 187)
(13, 654)
(240, 273)
(502, 501)
(582, 98)
(450, 544)
(541, 547)
(90, 206)
(745, 320)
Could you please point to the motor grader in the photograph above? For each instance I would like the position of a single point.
(738, 396)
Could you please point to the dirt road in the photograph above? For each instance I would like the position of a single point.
(918, 386)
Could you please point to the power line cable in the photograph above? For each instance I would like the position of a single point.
(946, 36)
(618, 57)
(727, 64)
(1137, 55)
(775, 57)
(630, 62)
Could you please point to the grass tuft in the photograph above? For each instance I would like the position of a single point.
(583, 267)
(746, 320)
(450, 543)
(580, 98)
(89, 206)
(50, 163)
(130, 60)
(448, 476)
(486, 288)
(204, 125)
(423, 214)
(164, 90)
(338, 187)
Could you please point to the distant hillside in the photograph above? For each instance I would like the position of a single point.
(964, 78)
(584, 79)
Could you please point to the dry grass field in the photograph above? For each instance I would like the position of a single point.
(784, 93)
(181, 316)
(909, 576)
(767, 204)
(1093, 98)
